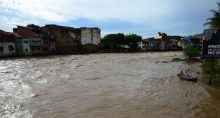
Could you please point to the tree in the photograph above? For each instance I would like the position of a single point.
(112, 41)
(214, 21)
(132, 41)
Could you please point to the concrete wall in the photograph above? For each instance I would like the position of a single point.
(52, 47)
(90, 36)
(26, 48)
(36, 44)
(96, 36)
(162, 45)
(65, 37)
(8, 48)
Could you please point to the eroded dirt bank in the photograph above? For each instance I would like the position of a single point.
(142, 85)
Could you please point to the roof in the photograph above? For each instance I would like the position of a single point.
(147, 39)
(7, 36)
(53, 25)
(89, 28)
(198, 36)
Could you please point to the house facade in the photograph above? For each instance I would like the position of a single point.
(7, 44)
(63, 39)
(49, 39)
(23, 47)
(34, 37)
(160, 42)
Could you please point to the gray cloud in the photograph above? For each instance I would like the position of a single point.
(159, 14)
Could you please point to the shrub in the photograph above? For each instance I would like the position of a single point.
(192, 51)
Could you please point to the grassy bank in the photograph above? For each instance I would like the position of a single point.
(214, 74)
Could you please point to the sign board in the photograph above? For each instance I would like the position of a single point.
(211, 44)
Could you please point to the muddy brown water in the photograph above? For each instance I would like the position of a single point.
(141, 85)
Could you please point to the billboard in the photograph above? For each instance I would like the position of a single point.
(211, 44)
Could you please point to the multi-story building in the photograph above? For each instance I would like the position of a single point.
(66, 39)
(160, 42)
(34, 37)
(69, 39)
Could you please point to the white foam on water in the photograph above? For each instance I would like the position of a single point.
(14, 92)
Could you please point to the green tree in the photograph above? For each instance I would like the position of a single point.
(112, 41)
(132, 41)
(192, 51)
(214, 21)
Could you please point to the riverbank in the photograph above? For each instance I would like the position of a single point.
(215, 78)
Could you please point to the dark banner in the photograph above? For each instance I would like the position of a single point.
(211, 44)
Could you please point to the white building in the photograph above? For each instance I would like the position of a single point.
(90, 36)
(26, 48)
(7, 48)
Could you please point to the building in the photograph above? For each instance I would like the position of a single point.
(154, 44)
(168, 42)
(90, 36)
(160, 42)
(23, 47)
(46, 43)
(150, 44)
(69, 39)
(7, 44)
(143, 45)
(64, 39)
(36, 40)
(34, 37)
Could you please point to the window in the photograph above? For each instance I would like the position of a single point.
(1, 49)
(11, 48)
(26, 42)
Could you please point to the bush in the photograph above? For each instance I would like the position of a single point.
(211, 77)
(192, 51)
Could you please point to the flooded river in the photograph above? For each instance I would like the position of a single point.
(142, 85)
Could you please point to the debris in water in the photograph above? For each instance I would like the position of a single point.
(187, 76)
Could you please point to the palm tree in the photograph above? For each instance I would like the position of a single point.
(214, 21)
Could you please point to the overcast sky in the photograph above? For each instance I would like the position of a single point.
(143, 17)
